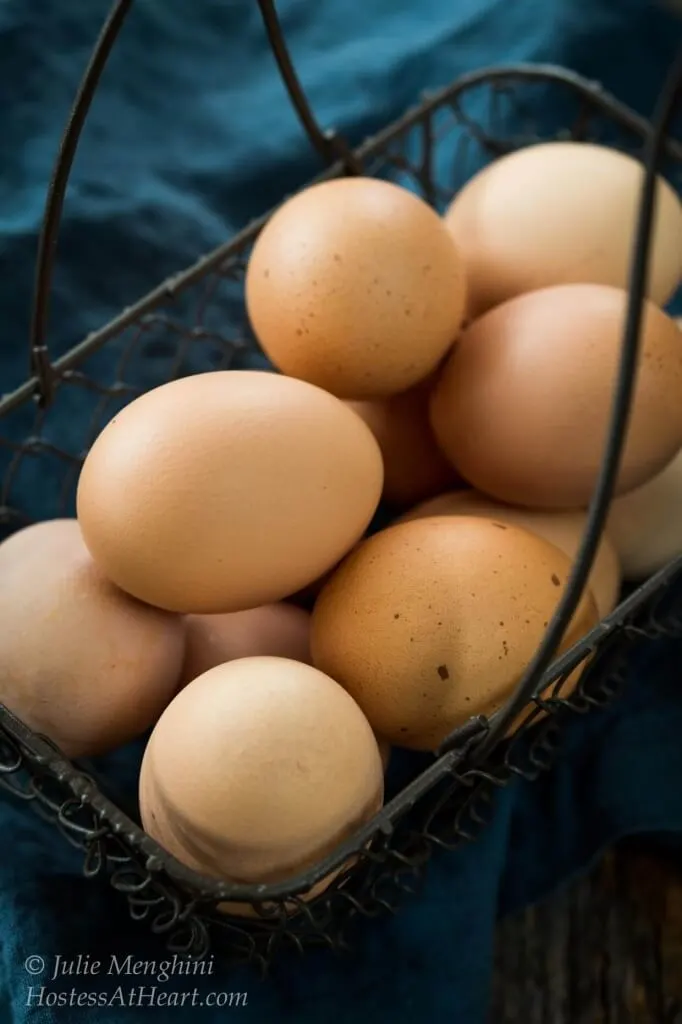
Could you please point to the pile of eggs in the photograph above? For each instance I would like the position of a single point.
(456, 369)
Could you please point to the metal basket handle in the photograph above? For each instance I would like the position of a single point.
(331, 146)
(666, 108)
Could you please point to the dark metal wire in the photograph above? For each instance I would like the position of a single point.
(47, 245)
(330, 145)
(621, 408)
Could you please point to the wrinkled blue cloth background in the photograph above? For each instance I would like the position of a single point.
(189, 138)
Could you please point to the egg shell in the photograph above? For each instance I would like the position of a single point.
(279, 630)
(414, 466)
(164, 824)
(258, 769)
(228, 490)
(80, 661)
(523, 403)
(563, 529)
(356, 285)
(561, 213)
(646, 524)
(435, 620)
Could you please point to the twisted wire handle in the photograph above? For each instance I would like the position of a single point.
(41, 367)
(600, 502)
(329, 144)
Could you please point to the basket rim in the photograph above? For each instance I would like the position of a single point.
(591, 90)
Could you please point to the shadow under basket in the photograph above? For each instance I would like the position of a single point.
(195, 322)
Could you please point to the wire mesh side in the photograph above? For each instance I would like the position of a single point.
(453, 811)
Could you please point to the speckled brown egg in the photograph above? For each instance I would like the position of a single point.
(559, 213)
(356, 285)
(435, 620)
(80, 661)
(563, 529)
(228, 490)
(523, 404)
(414, 466)
(259, 769)
(278, 630)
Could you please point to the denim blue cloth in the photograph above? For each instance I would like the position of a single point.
(189, 138)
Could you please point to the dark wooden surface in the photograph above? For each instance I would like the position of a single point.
(608, 950)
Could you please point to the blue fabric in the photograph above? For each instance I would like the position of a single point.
(191, 137)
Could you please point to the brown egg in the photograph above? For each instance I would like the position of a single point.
(563, 529)
(560, 213)
(356, 285)
(432, 621)
(279, 630)
(168, 832)
(258, 770)
(414, 466)
(227, 491)
(82, 663)
(523, 404)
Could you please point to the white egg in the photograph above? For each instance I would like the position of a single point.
(645, 525)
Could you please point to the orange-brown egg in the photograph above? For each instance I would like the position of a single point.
(277, 630)
(80, 661)
(166, 829)
(563, 529)
(560, 213)
(259, 769)
(227, 490)
(414, 466)
(523, 403)
(435, 620)
(356, 285)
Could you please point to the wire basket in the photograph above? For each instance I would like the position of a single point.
(196, 321)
